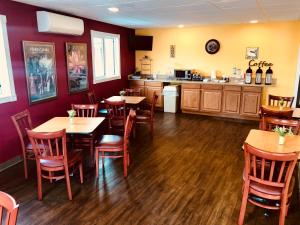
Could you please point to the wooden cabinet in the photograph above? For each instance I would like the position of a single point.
(211, 98)
(251, 101)
(190, 97)
(138, 85)
(231, 99)
(150, 88)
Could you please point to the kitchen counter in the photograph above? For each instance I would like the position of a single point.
(233, 99)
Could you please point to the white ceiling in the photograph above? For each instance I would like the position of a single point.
(169, 13)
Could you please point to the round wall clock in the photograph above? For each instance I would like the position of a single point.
(212, 46)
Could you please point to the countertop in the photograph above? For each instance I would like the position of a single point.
(174, 81)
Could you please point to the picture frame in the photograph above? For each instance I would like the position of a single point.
(40, 70)
(252, 52)
(77, 67)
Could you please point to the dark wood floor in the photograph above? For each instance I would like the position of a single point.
(189, 174)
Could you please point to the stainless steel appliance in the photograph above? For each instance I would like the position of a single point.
(183, 74)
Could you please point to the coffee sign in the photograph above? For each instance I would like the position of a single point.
(260, 64)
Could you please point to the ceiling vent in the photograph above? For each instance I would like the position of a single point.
(59, 24)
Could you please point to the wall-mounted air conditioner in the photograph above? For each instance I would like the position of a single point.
(55, 23)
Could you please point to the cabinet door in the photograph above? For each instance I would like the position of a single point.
(231, 102)
(211, 100)
(190, 99)
(250, 103)
(149, 95)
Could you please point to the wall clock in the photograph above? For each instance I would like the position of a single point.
(212, 46)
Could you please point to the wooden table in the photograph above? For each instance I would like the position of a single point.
(80, 125)
(268, 141)
(132, 100)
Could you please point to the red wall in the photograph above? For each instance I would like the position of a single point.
(22, 25)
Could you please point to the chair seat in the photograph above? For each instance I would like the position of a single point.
(111, 141)
(266, 189)
(117, 123)
(73, 157)
(143, 115)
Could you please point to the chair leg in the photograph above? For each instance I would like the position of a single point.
(97, 162)
(243, 205)
(283, 211)
(125, 166)
(81, 172)
(51, 175)
(39, 177)
(128, 159)
(92, 151)
(68, 183)
(151, 128)
(25, 167)
(102, 159)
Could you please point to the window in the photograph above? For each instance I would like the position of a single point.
(106, 56)
(7, 88)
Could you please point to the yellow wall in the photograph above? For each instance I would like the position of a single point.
(278, 43)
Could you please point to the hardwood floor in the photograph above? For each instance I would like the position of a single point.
(190, 173)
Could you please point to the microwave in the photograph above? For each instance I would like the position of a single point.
(182, 74)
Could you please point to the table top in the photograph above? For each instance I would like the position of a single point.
(80, 125)
(268, 141)
(134, 100)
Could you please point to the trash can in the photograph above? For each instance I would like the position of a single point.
(171, 98)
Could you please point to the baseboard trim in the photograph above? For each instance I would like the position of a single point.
(10, 163)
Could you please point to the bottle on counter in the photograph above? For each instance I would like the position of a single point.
(248, 76)
(269, 74)
(258, 76)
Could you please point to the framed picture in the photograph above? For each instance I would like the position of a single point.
(77, 67)
(39, 58)
(252, 53)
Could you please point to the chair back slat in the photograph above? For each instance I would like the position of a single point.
(269, 123)
(272, 170)
(85, 110)
(287, 101)
(49, 146)
(22, 121)
(275, 169)
(8, 209)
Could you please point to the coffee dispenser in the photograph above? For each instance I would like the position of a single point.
(258, 76)
(269, 74)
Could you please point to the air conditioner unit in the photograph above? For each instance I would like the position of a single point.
(55, 23)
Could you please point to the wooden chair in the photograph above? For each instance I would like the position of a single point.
(116, 115)
(132, 92)
(267, 176)
(269, 123)
(9, 208)
(264, 112)
(85, 141)
(115, 144)
(93, 100)
(274, 100)
(22, 121)
(54, 158)
(146, 116)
